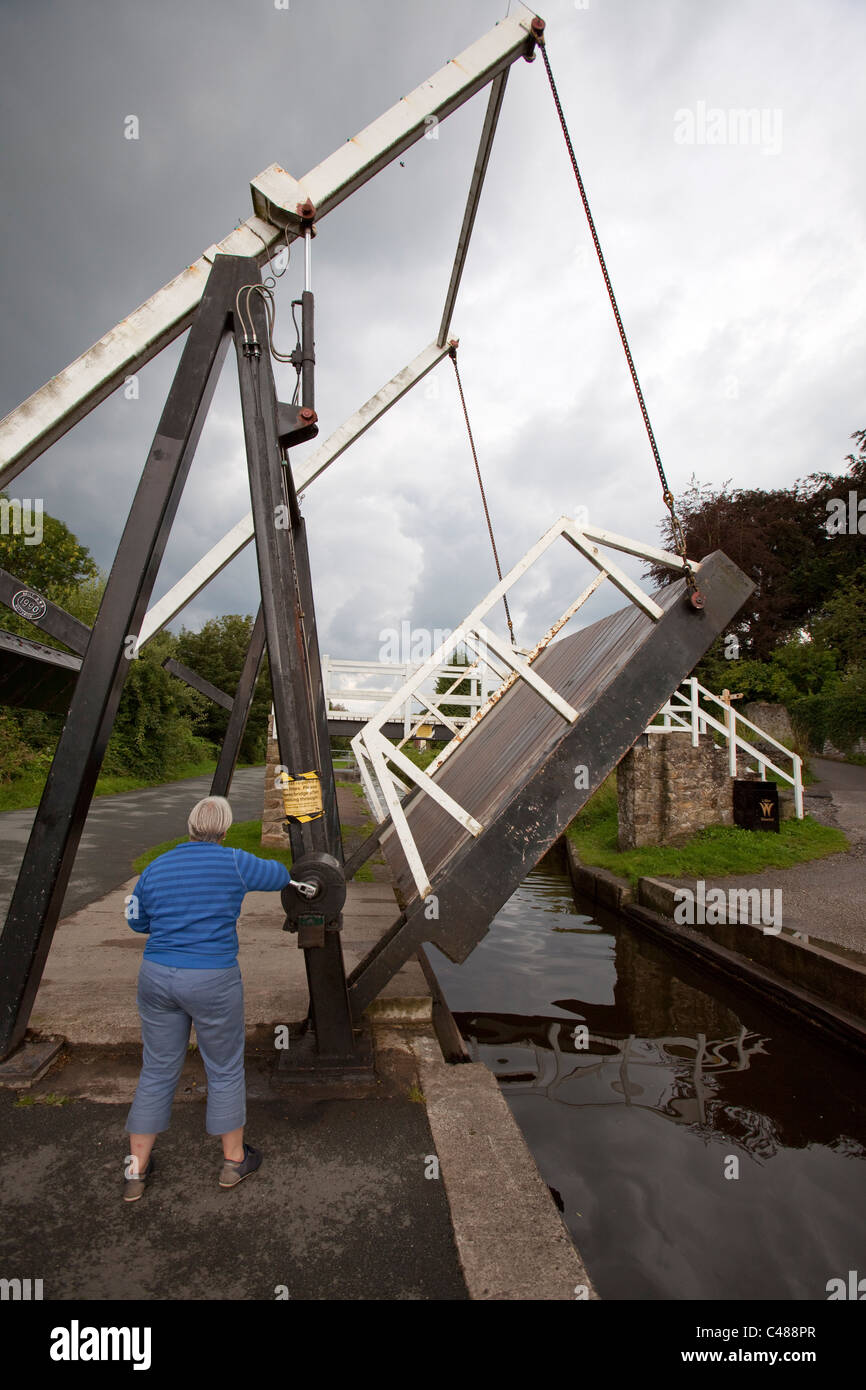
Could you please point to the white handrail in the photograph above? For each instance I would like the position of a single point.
(689, 696)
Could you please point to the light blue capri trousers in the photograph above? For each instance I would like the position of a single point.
(170, 999)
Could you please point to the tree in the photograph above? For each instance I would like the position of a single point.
(58, 566)
(779, 538)
(217, 653)
(154, 733)
(444, 684)
(840, 626)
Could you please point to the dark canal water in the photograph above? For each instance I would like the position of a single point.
(634, 1134)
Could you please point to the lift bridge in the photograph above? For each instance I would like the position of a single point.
(557, 717)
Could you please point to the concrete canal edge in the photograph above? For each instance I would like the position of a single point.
(823, 988)
(511, 1241)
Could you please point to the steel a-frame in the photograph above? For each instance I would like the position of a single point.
(204, 298)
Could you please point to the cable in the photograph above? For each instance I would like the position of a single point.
(452, 353)
(676, 525)
(297, 356)
(273, 274)
(267, 295)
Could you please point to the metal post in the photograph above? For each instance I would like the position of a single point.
(50, 853)
(240, 711)
(290, 628)
(308, 346)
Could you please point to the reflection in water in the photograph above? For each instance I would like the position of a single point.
(677, 1077)
(637, 1079)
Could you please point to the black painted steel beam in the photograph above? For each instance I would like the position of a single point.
(317, 686)
(38, 896)
(290, 630)
(240, 712)
(33, 676)
(190, 677)
(28, 603)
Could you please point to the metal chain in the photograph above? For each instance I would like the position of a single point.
(452, 352)
(676, 525)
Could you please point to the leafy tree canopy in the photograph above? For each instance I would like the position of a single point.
(780, 538)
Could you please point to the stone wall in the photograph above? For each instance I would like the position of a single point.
(773, 719)
(272, 815)
(667, 790)
(829, 750)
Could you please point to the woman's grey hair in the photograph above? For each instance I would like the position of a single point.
(209, 819)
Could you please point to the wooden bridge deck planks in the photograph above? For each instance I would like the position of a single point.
(519, 734)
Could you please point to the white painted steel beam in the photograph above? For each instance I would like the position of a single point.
(196, 579)
(400, 824)
(377, 743)
(46, 415)
(231, 544)
(409, 120)
(526, 673)
(630, 547)
(626, 586)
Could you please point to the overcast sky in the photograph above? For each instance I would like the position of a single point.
(738, 264)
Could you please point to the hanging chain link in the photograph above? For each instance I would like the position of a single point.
(452, 353)
(676, 525)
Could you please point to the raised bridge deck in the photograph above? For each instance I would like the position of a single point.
(518, 772)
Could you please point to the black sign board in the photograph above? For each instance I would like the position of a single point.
(756, 805)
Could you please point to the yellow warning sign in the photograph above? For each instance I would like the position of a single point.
(302, 797)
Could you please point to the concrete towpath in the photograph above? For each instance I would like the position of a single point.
(413, 1183)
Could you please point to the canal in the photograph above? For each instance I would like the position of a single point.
(697, 1144)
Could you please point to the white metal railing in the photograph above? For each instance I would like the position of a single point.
(418, 709)
(501, 667)
(684, 713)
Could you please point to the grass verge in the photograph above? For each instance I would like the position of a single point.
(245, 834)
(248, 835)
(712, 853)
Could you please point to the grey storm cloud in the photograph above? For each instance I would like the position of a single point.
(737, 260)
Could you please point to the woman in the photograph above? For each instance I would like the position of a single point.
(188, 900)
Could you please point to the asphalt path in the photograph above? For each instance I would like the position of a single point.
(846, 783)
(118, 829)
(822, 898)
(341, 1207)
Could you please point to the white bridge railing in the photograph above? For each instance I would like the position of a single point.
(687, 712)
(345, 681)
(496, 666)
